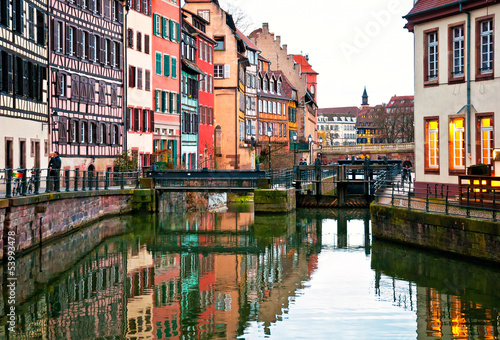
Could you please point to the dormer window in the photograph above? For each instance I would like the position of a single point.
(265, 85)
(278, 88)
(271, 86)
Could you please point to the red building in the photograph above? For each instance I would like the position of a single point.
(204, 61)
(166, 49)
(311, 75)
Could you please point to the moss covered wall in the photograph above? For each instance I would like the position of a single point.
(278, 201)
(458, 235)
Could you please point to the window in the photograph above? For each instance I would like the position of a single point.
(83, 132)
(220, 46)
(131, 76)
(456, 59)
(218, 71)
(484, 141)
(457, 146)
(174, 67)
(431, 57)
(130, 36)
(146, 43)
(157, 25)
(205, 14)
(139, 78)
(71, 39)
(431, 145)
(484, 54)
(31, 22)
(147, 86)
(166, 65)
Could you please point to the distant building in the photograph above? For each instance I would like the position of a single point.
(299, 73)
(337, 125)
(369, 122)
(398, 122)
(456, 88)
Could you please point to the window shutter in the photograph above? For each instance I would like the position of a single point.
(5, 11)
(91, 91)
(114, 95)
(21, 16)
(75, 85)
(164, 101)
(55, 34)
(146, 43)
(79, 46)
(91, 5)
(157, 108)
(166, 65)
(174, 67)
(144, 6)
(108, 133)
(120, 55)
(155, 19)
(227, 69)
(148, 80)
(25, 78)
(63, 139)
(177, 27)
(139, 78)
(164, 22)
(137, 113)
(145, 118)
(139, 41)
(171, 103)
(102, 92)
(103, 50)
(83, 89)
(178, 103)
(67, 47)
(130, 36)
(131, 76)
(58, 84)
(119, 9)
(107, 8)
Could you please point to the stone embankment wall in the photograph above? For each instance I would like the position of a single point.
(453, 234)
(45, 217)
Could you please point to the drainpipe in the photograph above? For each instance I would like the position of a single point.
(125, 83)
(468, 79)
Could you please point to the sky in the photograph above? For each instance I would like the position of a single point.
(351, 44)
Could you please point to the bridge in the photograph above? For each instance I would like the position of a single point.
(396, 150)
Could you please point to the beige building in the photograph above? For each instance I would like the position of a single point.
(139, 113)
(337, 125)
(456, 89)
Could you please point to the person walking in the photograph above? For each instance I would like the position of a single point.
(55, 167)
(407, 170)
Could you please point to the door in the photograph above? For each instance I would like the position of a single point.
(37, 155)
(9, 154)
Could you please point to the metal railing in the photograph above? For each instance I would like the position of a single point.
(350, 149)
(468, 201)
(26, 182)
(282, 179)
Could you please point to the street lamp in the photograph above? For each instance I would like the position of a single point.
(55, 119)
(269, 134)
(294, 149)
(321, 148)
(310, 148)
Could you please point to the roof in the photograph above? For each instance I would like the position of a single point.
(426, 5)
(192, 67)
(400, 101)
(286, 86)
(339, 110)
(247, 41)
(305, 67)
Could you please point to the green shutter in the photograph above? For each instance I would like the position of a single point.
(158, 63)
(163, 101)
(178, 32)
(155, 18)
(157, 101)
(163, 30)
(166, 65)
(178, 103)
(172, 36)
(175, 154)
(174, 68)
(171, 107)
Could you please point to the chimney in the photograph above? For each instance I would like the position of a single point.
(307, 57)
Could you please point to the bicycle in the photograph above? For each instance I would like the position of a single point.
(406, 173)
(31, 182)
(17, 190)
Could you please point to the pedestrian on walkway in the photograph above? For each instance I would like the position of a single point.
(55, 167)
(407, 170)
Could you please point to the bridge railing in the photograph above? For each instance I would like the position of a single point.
(467, 201)
(26, 182)
(282, 179)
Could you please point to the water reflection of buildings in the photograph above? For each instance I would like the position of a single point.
(453, 300)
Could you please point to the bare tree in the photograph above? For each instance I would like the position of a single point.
(241, 19)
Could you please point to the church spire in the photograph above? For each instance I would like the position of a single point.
(365, 98)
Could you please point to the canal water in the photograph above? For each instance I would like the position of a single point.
(307, 275)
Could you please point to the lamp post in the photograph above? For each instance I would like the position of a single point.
(269, 134)
(321, 149)
(310, 148)
(294, 149)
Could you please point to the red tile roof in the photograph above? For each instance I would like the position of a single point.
(305, 67)
(427, 5)
(340, 110)
(247, 41)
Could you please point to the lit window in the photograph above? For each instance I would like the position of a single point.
(432, 144)
(486, 139)
(457, 147)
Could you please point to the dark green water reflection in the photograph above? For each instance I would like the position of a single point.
(307, 275)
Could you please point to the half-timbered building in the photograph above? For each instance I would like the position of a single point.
(139, 119)
(86, 82)
(23, 84)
